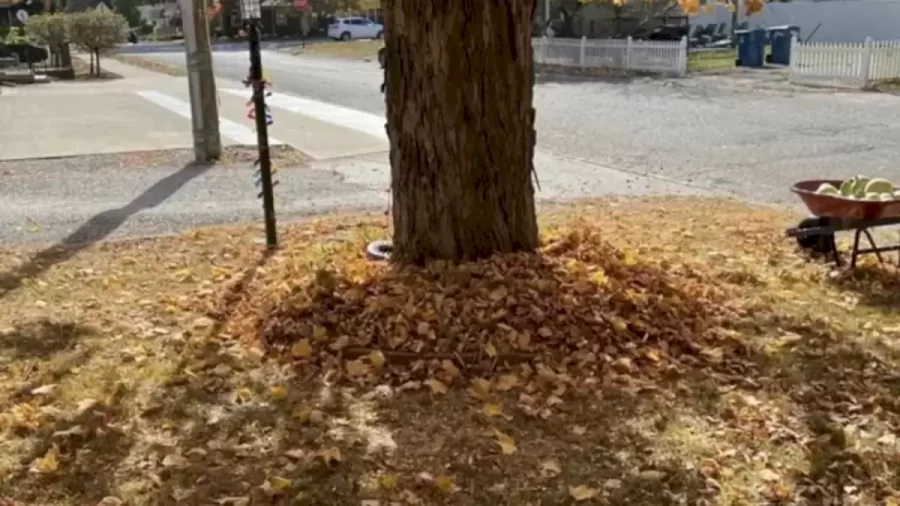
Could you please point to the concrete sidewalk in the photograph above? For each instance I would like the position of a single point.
(149, 111)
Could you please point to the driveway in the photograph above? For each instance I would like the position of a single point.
(723, 134)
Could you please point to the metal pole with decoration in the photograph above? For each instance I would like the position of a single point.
(251, 13)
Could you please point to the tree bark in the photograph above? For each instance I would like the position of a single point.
(98, 62)
(459, 85)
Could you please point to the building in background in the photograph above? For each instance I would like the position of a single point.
(823, 21)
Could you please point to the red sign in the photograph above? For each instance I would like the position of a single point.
(301, 4)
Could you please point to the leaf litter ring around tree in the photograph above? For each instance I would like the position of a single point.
(577, 303)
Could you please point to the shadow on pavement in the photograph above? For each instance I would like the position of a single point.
(99, 227)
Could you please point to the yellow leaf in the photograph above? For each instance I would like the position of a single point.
(490, 350)
(301, 413)
(329, 455)
(446, 484)
(436, 386)
(481, 388)
(302, 349)
(278, 392)
(618, 324)
(377, 359)
(49, 463)
(628, 258)
(320, 333)
(582, 493)
(491, 410)
(507, 382)
(506, 443)
(279, 483)
(244, 394)
(357, 368)
(387, 481)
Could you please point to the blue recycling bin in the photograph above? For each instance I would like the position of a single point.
(780, 38)
(751, 47)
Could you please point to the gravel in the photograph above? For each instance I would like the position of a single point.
(101, 197)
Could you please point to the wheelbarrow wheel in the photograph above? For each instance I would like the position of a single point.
(821, 244)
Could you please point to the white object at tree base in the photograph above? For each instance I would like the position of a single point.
(22, 15)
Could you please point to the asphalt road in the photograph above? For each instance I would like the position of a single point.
(720, 133)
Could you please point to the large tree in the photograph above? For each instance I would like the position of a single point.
(460, 121)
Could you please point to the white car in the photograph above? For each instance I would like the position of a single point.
(354, 28)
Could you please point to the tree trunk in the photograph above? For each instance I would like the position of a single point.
(460, 121)
(65, 56)
(98, 62)
(91, 69)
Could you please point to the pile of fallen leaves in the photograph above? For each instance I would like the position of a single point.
(579, 303)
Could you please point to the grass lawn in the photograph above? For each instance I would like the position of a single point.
(355, 49)
(148, 64)
(656, 352)
(889, 86)
(710, 61)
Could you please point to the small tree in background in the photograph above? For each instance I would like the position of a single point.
(50, 30)
(96, 31)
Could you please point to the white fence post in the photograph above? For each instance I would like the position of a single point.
(542, 50)
(794, 64)
(628, 43)
(582, 51)
(866, 66)
(683, 56)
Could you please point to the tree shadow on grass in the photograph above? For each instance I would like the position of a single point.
(90, 443)
(837, 395)
(41, 339)
(99, 227)
(877, 285)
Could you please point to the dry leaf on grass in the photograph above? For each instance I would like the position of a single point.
(446, 484)
(49, 463)
(492, 410)
(582, 493)
(329, 455)
(278, 392)
(506, 443)
(550, 468)
(436, 386)
(302, 349)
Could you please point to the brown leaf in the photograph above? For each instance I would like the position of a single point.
(507, 382)
(436, 386)
(481, 389)
(357, 368)
(329, 455)
(506, 443)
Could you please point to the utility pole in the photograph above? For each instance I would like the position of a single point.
(201, 81)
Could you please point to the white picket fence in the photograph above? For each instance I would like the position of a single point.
(844, 65)
(664, 57)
